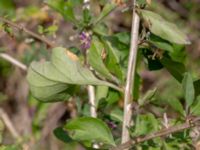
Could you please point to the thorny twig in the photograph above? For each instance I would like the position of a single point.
(22, 28)
(164, 132)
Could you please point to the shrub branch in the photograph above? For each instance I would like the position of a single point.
(130, 76)
(27, 31)
(164, 132)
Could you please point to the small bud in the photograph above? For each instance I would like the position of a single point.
(85, 39)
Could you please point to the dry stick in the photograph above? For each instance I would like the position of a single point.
(187, 125)
(9, 124)
(22, 28)
(130, 76)
(13, 61)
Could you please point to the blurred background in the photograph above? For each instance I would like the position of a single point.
(32, 122)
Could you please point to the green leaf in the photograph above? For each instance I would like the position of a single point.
(49, 80)
(88, 129)
(169, 146)
(109, 7)
(113, 97)
(188, 89)
(179, 53)
(176, 105)
(86, 16)
(51, 29)
(44, 89)
(113, 60)
(65, 8)
(176, 69)
(117, 115)
(160, 43)
(195, 108)
(7, 7)
(62, 135)
(164, 29)
(101, 29)
(123, 37)
(95, 59)
(101, 93)
(72, 71)
(145, 124)
(147, 97)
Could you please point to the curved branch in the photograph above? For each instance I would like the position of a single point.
(22, 28)
(13, 61)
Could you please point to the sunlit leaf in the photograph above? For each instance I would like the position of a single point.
(49, 80)
(164, 29)
(45, 89)
(88, 129)
(101, 93)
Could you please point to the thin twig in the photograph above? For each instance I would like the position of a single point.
(165, 132)
(22, 28)
(91, 94)
(13, 61)
(5, 118)
(90, 88)
(130, 76)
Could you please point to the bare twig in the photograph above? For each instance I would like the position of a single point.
(5, 118)
(13, 61)
(165, 132)
(130, 76)
(91, 94)
(22, 28)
